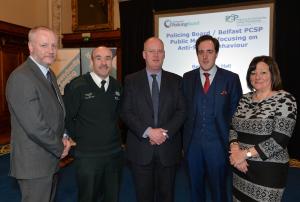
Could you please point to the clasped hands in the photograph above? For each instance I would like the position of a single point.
(68, 143)
(157, 136)
(238, 158)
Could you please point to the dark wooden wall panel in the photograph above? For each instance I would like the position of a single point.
(13, 51)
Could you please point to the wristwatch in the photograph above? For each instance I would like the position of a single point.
(248, 154)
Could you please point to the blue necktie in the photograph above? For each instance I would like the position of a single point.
(155, 98)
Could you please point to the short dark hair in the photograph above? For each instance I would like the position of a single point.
(93, 50)
(274, 70)
(208, 38)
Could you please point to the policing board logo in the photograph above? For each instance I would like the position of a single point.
(231, 18)
(179, 23)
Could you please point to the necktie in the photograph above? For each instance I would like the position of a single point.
(102, 85)
(155, 98)
(207, 82)
(49, 78)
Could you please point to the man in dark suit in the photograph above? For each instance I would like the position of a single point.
(154, 110)
(37, 120)
(212, 95)
(93, 106)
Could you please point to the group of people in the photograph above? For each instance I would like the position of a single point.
(203, 117)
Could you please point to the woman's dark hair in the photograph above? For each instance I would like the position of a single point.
(274, 70)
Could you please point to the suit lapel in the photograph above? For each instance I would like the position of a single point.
(39, 75)
(219, 84)
(196, 86)
(37, 72)
(57, 91)
(146, 89)
(162, 92)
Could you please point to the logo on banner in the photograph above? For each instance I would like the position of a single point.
(179, 23)
(231, 18)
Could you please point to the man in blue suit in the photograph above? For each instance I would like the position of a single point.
(212, 95)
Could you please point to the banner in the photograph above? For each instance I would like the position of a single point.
(66, 66)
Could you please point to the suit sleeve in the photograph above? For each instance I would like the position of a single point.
(25, 105)
(129, 111)
(72, 100)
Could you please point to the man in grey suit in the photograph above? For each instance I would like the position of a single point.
(154, 110)
(37, 119)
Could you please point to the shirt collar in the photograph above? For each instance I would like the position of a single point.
(158, 74)
(211, 72)
(41, 67)
(97, 79)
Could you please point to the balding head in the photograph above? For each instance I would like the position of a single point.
(154, 53)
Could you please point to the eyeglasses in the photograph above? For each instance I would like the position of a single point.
(155, 51)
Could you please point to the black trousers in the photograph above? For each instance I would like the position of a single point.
(99, 178)
(154, 182)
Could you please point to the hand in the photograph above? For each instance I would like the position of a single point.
(157, 136)
(234, 147)
(243, 167)
(237, 156)
(67, 146)
(73, 143)
(152, 142)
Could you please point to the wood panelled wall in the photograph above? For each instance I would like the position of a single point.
(13, 51)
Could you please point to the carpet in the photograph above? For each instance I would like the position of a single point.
(67, 189)
(4, 149)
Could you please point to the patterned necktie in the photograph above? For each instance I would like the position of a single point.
(207, 82)
(102, 85)
(155, 98)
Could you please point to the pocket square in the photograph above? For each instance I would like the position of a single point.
(224, 92)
